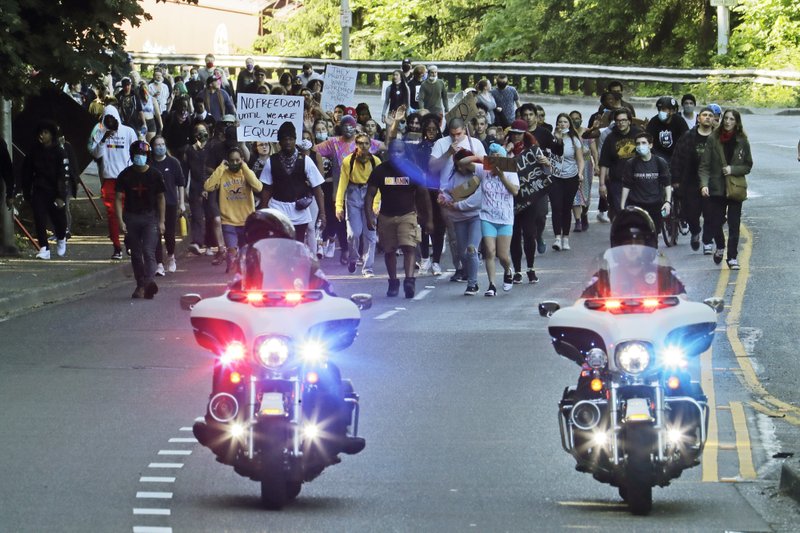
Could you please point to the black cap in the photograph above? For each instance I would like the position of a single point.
(406, 61)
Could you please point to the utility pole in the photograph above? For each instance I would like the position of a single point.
(723, 23)
(7, 243)
(346, 21)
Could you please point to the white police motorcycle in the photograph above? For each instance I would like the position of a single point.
(636, 418)
(279, 411)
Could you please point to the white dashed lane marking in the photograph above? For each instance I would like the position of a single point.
(154, 495)
(165, 465)
(148, 529)
(156, 479)
(422, 294)
(190, 440)
(174, 452)
(151, 512)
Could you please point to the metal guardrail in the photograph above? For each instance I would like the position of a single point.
(468, 72)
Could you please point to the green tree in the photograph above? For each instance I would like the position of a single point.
(767, 35)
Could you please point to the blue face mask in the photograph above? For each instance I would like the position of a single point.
(140, 160)
(662, 116)
(160, 151)
(642, 149)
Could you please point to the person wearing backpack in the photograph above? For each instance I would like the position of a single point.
(352, 190)
(646, 180)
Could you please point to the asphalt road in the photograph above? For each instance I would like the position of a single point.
(458, 404)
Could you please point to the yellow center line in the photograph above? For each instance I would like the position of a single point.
(746, 468)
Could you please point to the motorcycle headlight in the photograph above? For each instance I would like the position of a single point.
(596, 358)
(273, 351)
(312, 352)
(674, 357)
(633, 357)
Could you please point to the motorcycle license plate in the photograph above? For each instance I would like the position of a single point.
(272, 404)
(638, 410)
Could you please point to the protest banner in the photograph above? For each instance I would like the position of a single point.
(465, 108)
(260, 115)
(340, 87)
(534, 179)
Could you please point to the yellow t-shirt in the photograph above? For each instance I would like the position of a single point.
(359, 176)
(236, 199)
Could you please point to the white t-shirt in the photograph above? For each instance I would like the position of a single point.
(442, 145)
(287, 208)
(497, 204)
(566, 166)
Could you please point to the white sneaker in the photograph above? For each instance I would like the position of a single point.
(172, 266)
(44, 253)
(425, 265)
(557, 243)
(436, 269)
(210, 252)
(61, 247)
(330, 249)
(565, 243)
(603, 217)
(708, 249)
(160, 270)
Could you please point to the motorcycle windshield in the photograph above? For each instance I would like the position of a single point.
(276, 264)
(635, 271)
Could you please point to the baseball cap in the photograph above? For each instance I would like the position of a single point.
(350, 111)
(519, 126)
(348, 119)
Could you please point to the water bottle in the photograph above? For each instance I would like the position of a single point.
(184, 230)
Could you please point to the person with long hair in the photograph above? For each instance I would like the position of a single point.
(580, 207)
(432, 243)
(568, 174)
(396, 94)
(727, 154)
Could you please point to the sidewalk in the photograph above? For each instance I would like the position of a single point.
(27, 283)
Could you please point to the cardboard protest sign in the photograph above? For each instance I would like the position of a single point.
(534, 179)
(340, 87)
(506, 164)
(466, 109)
(466, 189)
(260, 115)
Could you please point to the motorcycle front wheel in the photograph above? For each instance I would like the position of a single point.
(275, 491)
(638, 489)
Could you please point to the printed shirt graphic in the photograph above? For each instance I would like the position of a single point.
(236, 200)
(397, 190)
(497, 204)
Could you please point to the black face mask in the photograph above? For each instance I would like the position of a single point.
(502, 84)
(234, 168)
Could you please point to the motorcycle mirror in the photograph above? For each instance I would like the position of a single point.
(717, 304)
(362, 300)
(548, 307)
(188, 301)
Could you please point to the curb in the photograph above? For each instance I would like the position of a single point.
(790, 478)
(29, 300)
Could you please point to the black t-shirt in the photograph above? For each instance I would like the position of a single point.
(141, 189)
(645, 179)
(617, 149)
(398, 187)
(666, 135)
(172, 173)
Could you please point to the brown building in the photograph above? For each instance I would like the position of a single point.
(215, 26)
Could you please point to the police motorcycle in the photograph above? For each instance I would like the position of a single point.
(279, 411)
(636, 418)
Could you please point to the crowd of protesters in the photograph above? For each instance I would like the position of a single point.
(406, 184)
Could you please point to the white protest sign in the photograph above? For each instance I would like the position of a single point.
(340, 87)
(260, 116)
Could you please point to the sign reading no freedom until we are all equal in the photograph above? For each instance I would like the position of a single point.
(260, 115)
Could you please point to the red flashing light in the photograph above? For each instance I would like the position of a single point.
(255, 297)
(293, 297)
(613, 305)
(650, 303)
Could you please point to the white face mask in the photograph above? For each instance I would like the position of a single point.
(565, 131)
(433, 77)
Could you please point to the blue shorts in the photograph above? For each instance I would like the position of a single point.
(490, 229)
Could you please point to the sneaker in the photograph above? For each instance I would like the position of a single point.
(344, 257)
(360, 261)
(160, 270)
(557, 244)
(368, 273)
(695, 242)
(541, 246)
(708, 249)
(138, 293)
(195, 249)
(578, 226)
(472, 290)
(565, 243)
(117, 255)
(436, 269)
(517, 279)
(44, 253)
(210, 252)
(733, 264)
(532, 277)
(491, 291)
(425, 265)
(585, 221)
(603, 217)
(320, 251)
(351, 266)
(172, 266)
(150, 290)
(718, 255)
(409, 287)
(508, 281)
(330, 249)
(61, 247)
(394, 287)
(458, 277)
